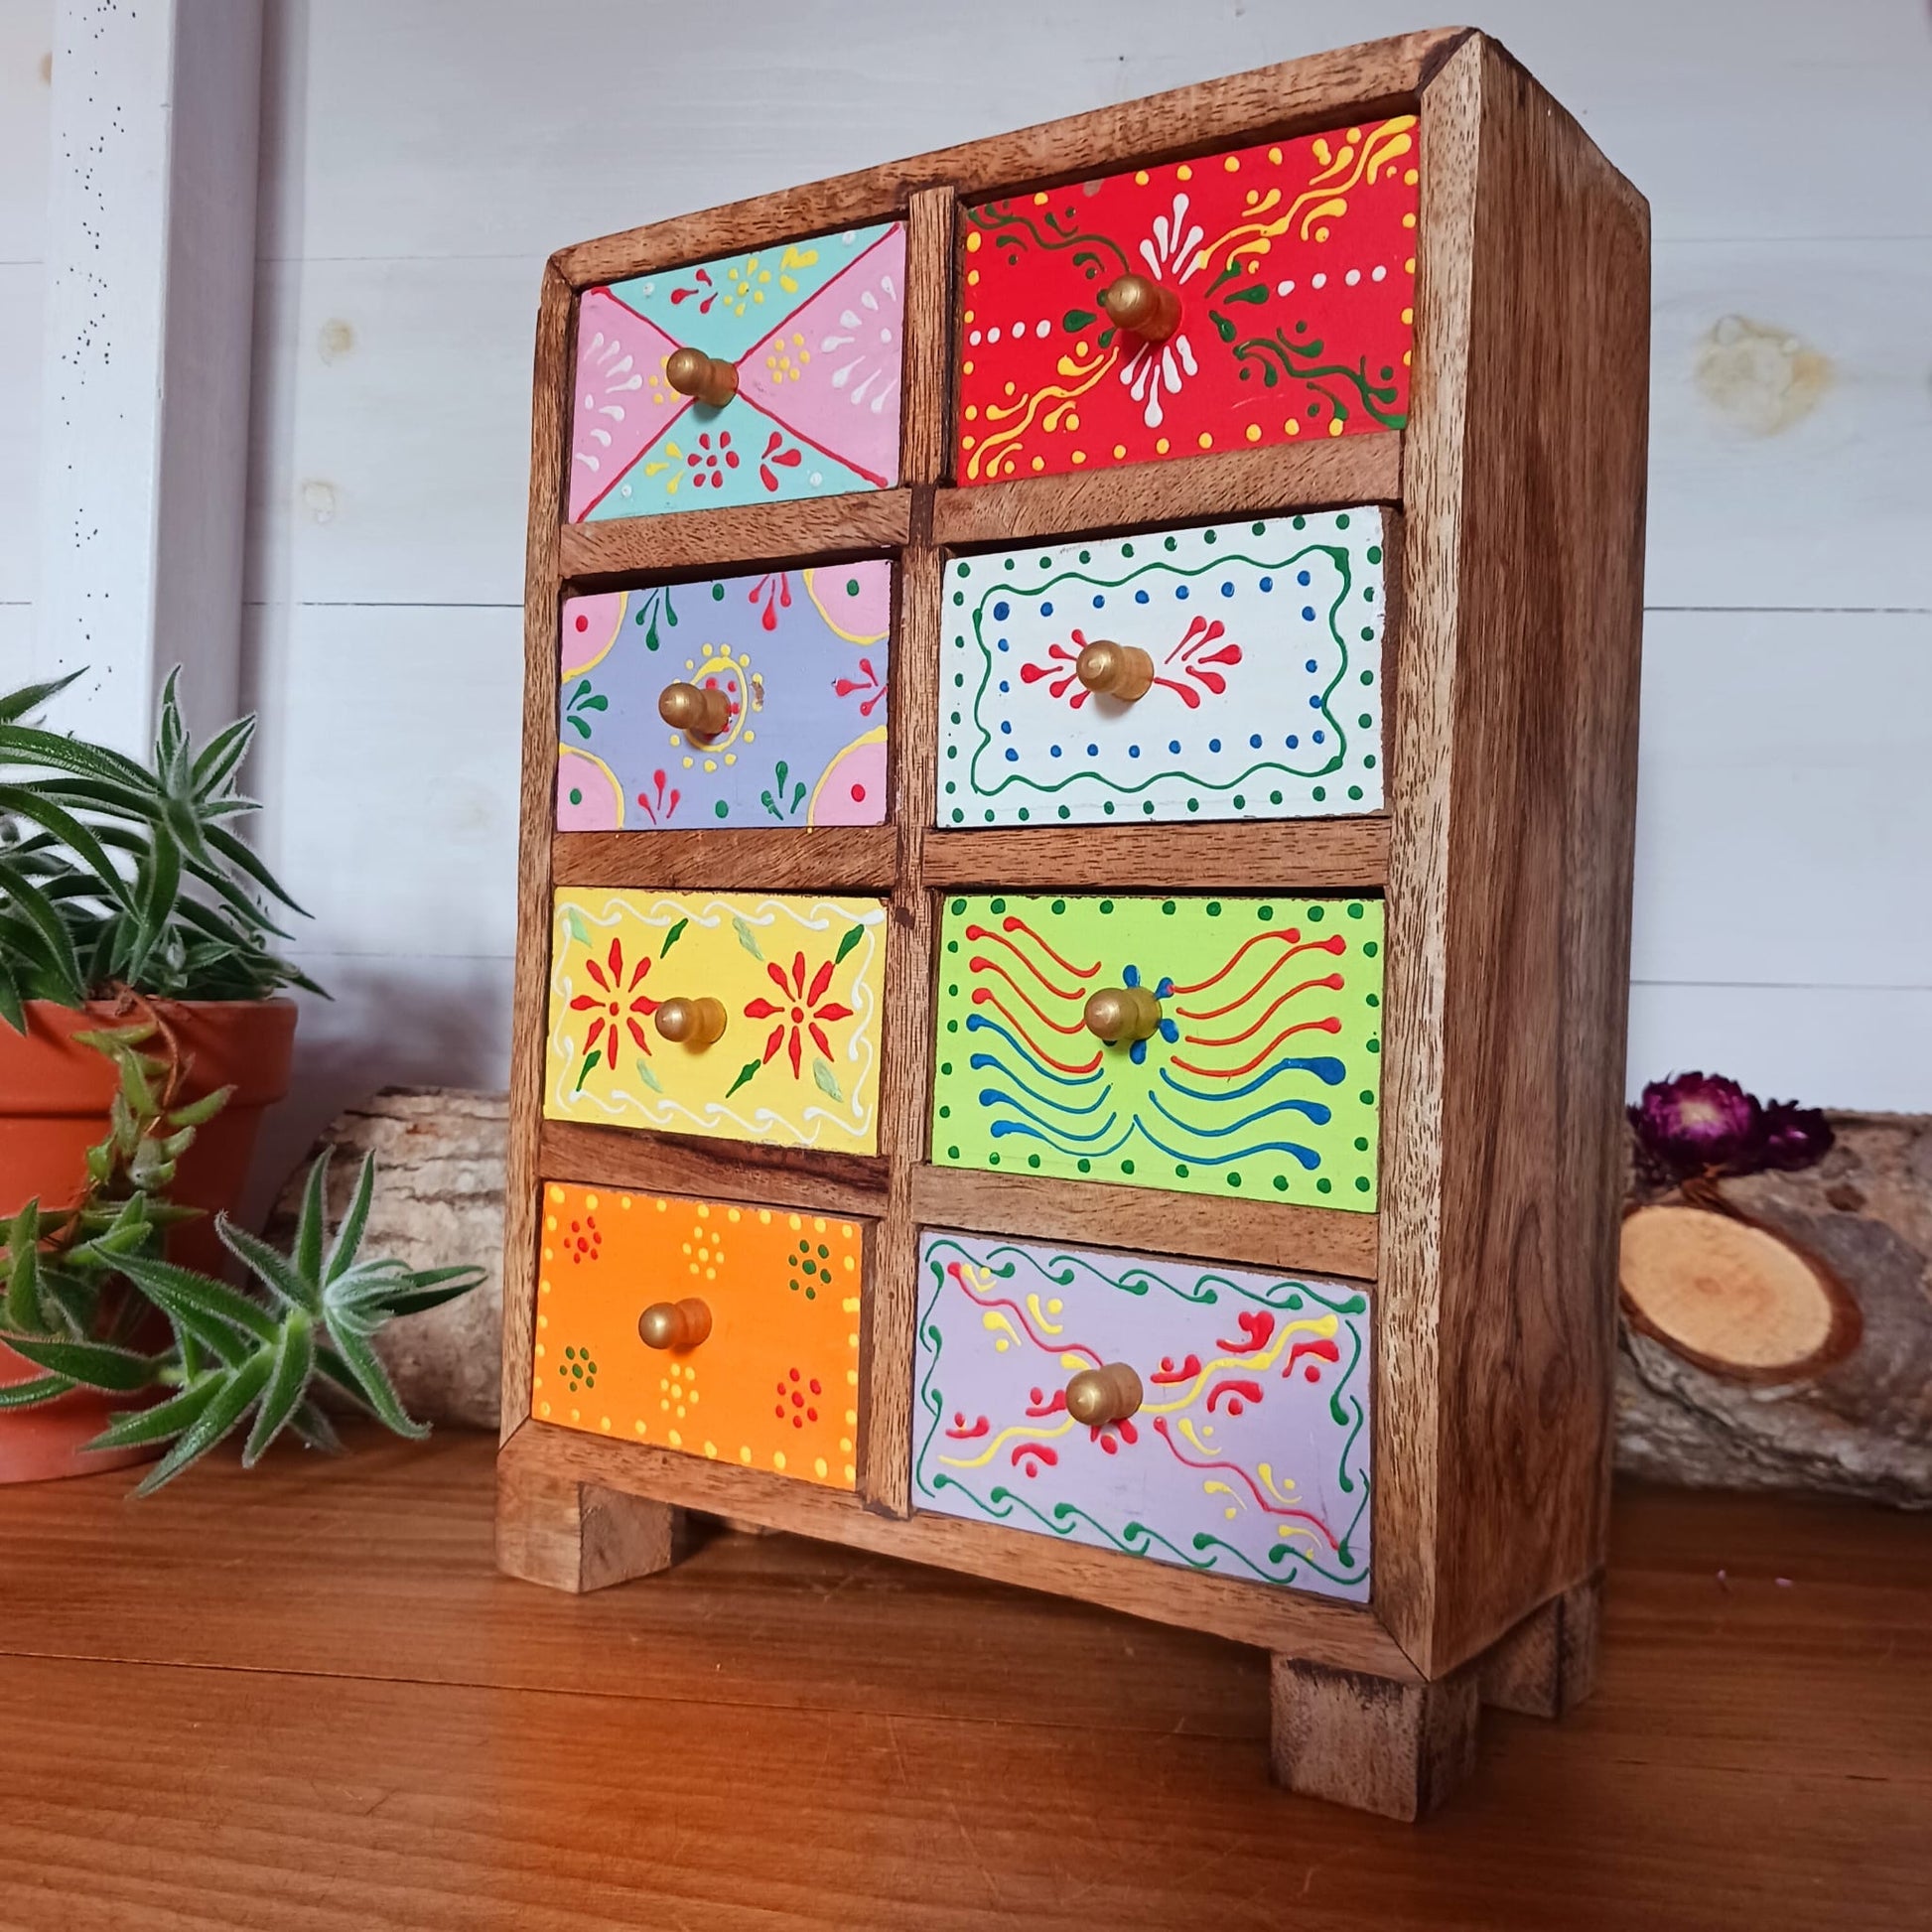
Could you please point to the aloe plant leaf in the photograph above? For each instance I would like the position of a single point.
(357, 1367)
(34, 1390)
(97, 1364)
(15, 705)
(429, 1291)
(288, 1383)
(348, 1235)
(314, 1430)
(173, 1288)
(225, 1410)
(306, 1254)
(282, 1278)
(165, 1421)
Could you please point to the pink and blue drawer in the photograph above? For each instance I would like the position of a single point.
(813, 332)
(800, 660)
(1245, 1452)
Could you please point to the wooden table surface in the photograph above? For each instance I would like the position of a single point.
(304, 1699)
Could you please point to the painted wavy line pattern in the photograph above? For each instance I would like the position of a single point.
(1262, 1083)
(1249, 1453)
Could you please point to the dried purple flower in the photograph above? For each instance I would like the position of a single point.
(1791, 1136)
(1696, 1123)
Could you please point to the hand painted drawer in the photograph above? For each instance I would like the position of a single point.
(1229, 671)
(763, 1369)
(811, 335)
(749, 1018)
(1285, 274)
(792, 666)
(1237, 1441)
(1258, 1080)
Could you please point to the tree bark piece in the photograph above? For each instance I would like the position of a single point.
(439, 1202)
(1862, 1426)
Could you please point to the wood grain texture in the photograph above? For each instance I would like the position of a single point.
(814, 531)
(550, 392)
(1316, 1240)
(829, 858)
(1509, 866)
(1394, 1749)
(1259, 856)
(1291, 97)
(1344, 1635)
(523, 1758)
(1547, 1665)
(1338, 473)
(930, 254)
(578, 1536)
(765, 1176)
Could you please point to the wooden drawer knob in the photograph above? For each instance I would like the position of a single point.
(705, 378)
(1143, 308)
(1103, 1395)
(1122, 672)
(697, 709)
(678, 1325)
(1122, 1013)
(691, 1022)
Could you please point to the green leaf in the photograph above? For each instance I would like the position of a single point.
(197, 1112)
(222, 756)
(592, 1060)
(243, 860)
(38, 910)
(310, 1222)
(746, 936)
(1256, 292)
(1076, 320)
(672, 937)
(165, 1421)
(288, 1384)
(824, 1080)
(97, 1364)
(30, 697)
(23, 1269)
(12, 1009)
(851, 939)
(30, 1393)
(179, 1290)
(649, 1077)
(349, 1237)
(433, 1286)
(28, 745)
(574, 926)
(1223, 327)
(282, 1278)
(357, 1367)
(37, 808)
(226, 1408)
(159, 888)
(744, 1072)
(315, 1430)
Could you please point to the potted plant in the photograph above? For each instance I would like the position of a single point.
(126, 898)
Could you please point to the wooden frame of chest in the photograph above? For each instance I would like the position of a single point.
(1078, 804)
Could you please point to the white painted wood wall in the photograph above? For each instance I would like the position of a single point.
(421, 157)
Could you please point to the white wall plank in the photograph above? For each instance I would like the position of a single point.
(21, 284)
(387, 770)
(26, 43)
(1783, 813)
(443, 128)
(1759, 494)
(1830, 1046)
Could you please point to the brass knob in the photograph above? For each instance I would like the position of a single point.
(697, 709)
(1122, 1013)
(1123, 671)
(1143, 308)
(690, 1022)
(1103, 1395)
(706, 378)
(674, 1324)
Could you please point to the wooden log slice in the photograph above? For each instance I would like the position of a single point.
(1733, 1297)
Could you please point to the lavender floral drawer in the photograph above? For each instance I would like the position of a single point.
(793, 666)
(1243, 1448)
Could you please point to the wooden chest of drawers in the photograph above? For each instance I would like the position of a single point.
(1075, 872)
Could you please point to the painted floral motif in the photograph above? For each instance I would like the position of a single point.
(776, 1385)
(815, 1043)
(814, 331)
(1248, 1455)
(1266, 641)
(805, 740)
(1294, 263)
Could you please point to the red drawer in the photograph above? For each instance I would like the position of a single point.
(1286, 274)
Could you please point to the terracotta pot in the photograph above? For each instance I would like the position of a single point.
(53, 1101)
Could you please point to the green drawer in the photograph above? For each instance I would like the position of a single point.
(1259, 1080)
